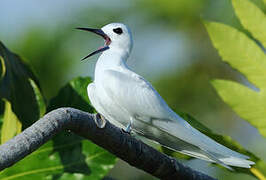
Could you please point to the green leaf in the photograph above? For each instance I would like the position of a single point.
(239, 98)
(67, 156)
(83, 160)
(3, 68)
(16, 87)
(239, 51)
(11, 125)
(244, 55)
(252, 18)
(39, 98)
(74, 94)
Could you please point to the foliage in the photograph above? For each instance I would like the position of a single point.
(67, 159)
(74, 95)
(247, 56)
(16, 87)
(11, 125)
(66, 156)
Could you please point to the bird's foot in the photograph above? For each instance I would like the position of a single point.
(100, 121)
(129, 127)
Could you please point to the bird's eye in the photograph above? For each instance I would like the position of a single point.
(118, 30)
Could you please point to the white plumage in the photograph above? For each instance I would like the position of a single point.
(123, 96)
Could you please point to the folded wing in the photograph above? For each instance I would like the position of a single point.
(144, 103)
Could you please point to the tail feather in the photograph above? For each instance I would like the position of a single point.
(184, 138)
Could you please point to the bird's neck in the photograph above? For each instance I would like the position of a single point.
(111, 59)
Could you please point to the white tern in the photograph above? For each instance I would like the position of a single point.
(129, 101)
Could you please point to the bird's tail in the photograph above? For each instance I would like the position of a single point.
(180, 136)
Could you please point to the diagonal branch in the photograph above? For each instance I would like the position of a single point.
(113, 139)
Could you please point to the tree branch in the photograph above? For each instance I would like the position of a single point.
(113, 139)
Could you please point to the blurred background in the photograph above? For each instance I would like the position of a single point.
(171, 49)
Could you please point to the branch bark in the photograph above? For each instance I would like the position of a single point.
(113, 139)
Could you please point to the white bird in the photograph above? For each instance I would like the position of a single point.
(129, 101)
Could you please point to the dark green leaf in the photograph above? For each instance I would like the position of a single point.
(74, 94)
(67, 156)
(15, 86)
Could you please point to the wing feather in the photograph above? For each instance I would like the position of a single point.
(143, 102)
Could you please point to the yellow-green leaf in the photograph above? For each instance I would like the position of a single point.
(39, 98)
(248, 104)
(11, 125)
(252, 18)
(3, 68)
(243, 54)
(239, 51)
(16, 87)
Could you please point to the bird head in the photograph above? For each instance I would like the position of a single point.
(117, 37)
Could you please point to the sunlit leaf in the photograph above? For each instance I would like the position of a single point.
(11, 125)
(252, 18)
(3, 68)
(246, 56)
(243, 54)
(39, 98)
(16, 88)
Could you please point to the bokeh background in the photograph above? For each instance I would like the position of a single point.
(171, 49)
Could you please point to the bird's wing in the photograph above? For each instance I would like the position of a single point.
(143, 102)
(135, 94)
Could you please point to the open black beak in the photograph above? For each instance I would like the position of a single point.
(100, 33)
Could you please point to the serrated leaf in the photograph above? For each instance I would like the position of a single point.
(247, 103)
(11, 125)
(244, 55)
(239, 51)
(252, 18)
(16, 88)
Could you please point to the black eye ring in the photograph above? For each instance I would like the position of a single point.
(118, 30)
